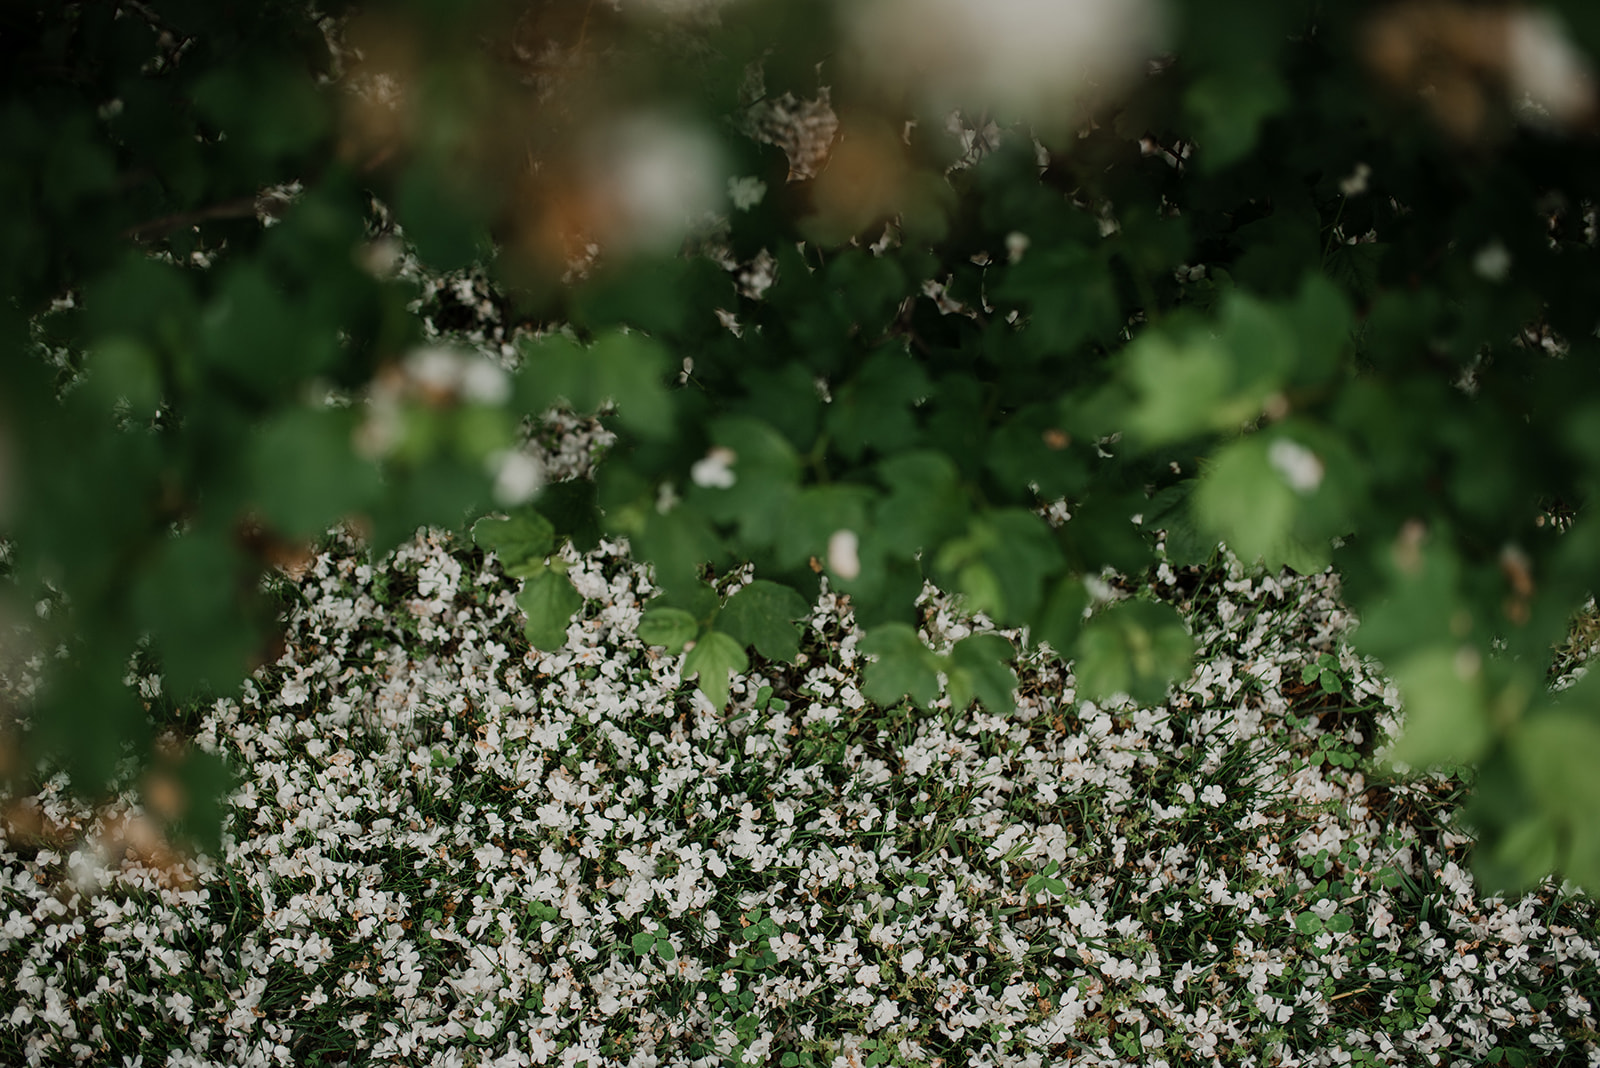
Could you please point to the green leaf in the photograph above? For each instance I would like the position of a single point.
(629, 369)
(1340, 922)
(714, 657)
(1229, 104)
(677, 543)
(664, 950)
(1002, 563)
(521, 541)
(671, 627)
(762, 614)
(1245, 498)
(304, 474)
(187, 598)
(1308, 923)
(980, 666)
(549, 600)
(1061, 619)
(925, 504)
(1184, 387)
(902, 666)
(643, 941)
(573, 513)
(766, 476)
(814, 514)
(1557, 752)
(1446, 716)
(875, 409)
(1134, 647)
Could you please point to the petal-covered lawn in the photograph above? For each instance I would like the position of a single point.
(448, 849)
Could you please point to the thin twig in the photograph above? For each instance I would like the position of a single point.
(240, 208)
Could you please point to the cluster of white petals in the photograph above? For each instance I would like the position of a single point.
(448, 849)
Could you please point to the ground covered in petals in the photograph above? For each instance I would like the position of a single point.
(449, 849)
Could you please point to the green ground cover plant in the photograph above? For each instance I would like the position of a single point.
(450, 848)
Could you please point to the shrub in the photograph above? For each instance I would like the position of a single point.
(1312, 280)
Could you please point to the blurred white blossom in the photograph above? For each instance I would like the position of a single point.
(1031, 57)
(1547, 72)
(654, 178)
(843, 554)
(715, 469)
(1299, 466)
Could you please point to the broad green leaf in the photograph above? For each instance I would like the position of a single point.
(671, 627)
(1061, 618)
(1002, 562)
(521, 541)
(1229, 105)
(188, 598)
(304, 474)
(763, 614)
(980, 666)
(1244, 501)
(1446, 717)
(1134, 647)
(549, 600)
(122, 369)
(925, 503)
(440, 221)
(678, 543)
(254, 336)
(1308, 923)
(570, 506)
(1184, 386)
(1557, 752)
(875, 409)
(643, 941)
(1521, 857)
(1322, 319)
(1034, 449)
(714, 657)
(664, 950)
(1203, 376)
(765, 474)
(902, 666)
(1067, 292)
(814, 514)
(631, 369)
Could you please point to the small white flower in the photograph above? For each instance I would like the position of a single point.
(437, 369)
(745, 193)
(657, 176)
(517, 476)
(1016, 244)
(844, 559)
(1356, 182)
(1492, 262)
(1298, 465)
(715, 469)
(484, 383)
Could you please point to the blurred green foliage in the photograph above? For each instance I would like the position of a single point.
(1283, 290)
